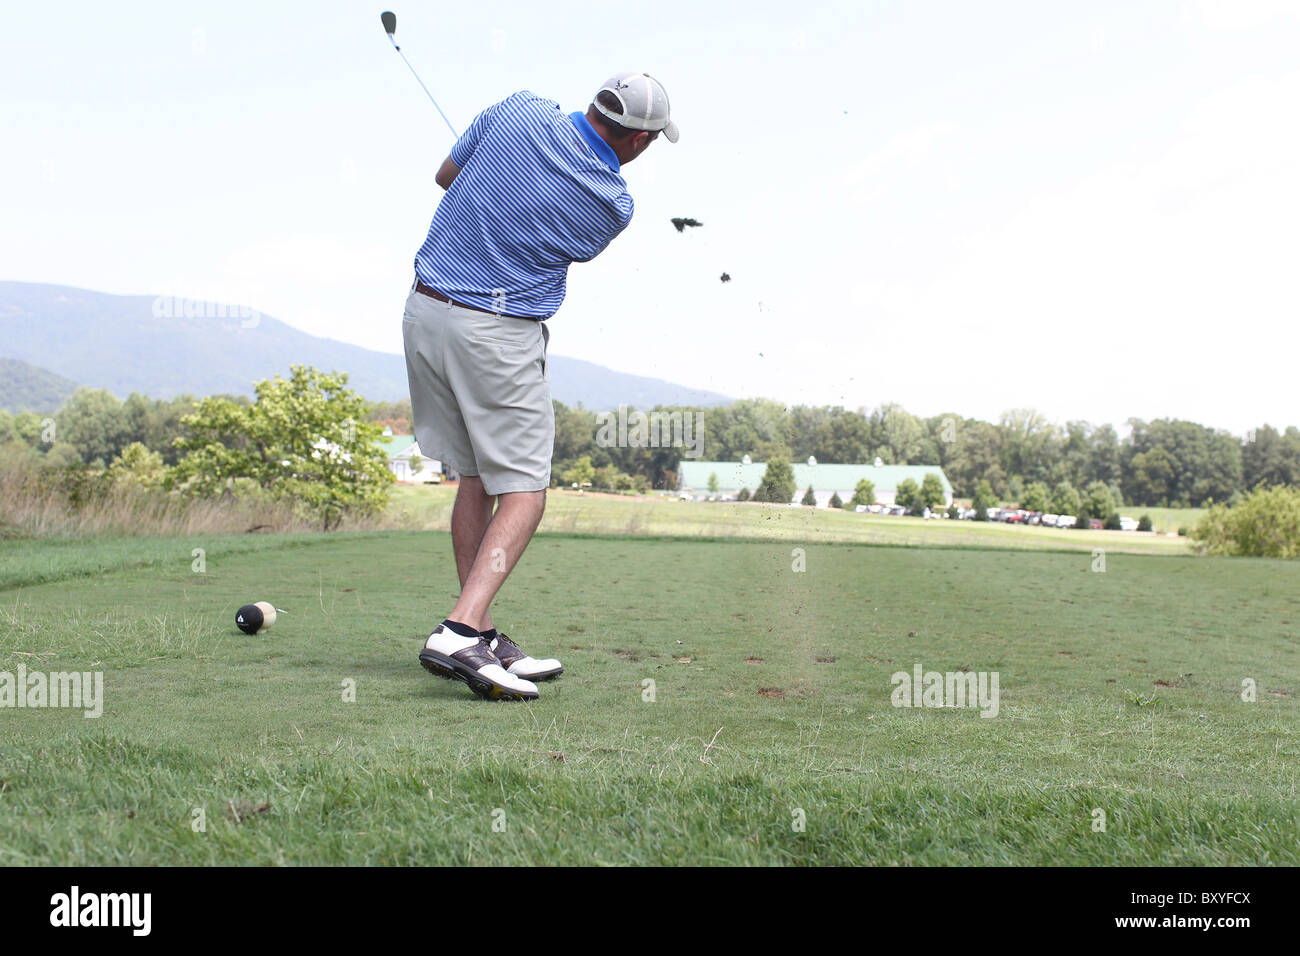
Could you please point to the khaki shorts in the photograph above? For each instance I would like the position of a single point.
(479, 393)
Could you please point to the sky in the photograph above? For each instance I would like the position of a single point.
(1086, 209)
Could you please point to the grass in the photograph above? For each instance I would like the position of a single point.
(1168, 519)
(1120, 691)
(429, 507)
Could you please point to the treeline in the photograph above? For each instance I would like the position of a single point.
(306, 442)
(1165, 463)
(1161, 463)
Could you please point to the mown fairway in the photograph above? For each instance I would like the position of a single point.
(1120, 691)
(429, 508)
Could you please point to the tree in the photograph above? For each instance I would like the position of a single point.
(981, 458)
(778, 484)
(843, 436)
(1144, 523)
(907, 494)
(713, 483)
(836, 500)
(744, 495)
(1028, 444)
(1179, 462)
(1065, 499)
(93, 422)
(897, 434)
(606, 477)
(1097, 501)
(1270, 458)
(305, 439)
(932, 493)
(579, 473)
(809, 498)
(1036, 497)
(983, 500)
(864, 493)
(1151, 477)
(138, 466)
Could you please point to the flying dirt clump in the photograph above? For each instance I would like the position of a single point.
(681, 224)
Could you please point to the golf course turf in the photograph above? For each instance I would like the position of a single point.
(767, 735)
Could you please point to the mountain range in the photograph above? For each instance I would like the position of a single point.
(57, 337)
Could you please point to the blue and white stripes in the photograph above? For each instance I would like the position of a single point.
(535, 192)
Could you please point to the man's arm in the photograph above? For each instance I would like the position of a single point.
(446, 173)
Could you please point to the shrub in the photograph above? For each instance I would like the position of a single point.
(809, 498)
(1265, 524)
(1112, 521)
(864, 493)
(932, 493)
(908, 494)
(837, 501)
(1035, 497)
(744, 495)
(1144, 523)
(778, 484)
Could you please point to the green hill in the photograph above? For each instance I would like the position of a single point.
(27, 388)
(147, 344)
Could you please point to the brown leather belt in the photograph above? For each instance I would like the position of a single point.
(433, 293)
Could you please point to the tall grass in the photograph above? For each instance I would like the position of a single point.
(37, 503)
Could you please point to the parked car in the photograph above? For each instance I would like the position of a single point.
(1128, 524)
(1034, 517)
(1050, 520)
(1096, 524)
(1015, 517)
(1065, 521)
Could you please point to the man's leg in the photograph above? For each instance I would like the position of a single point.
(469, 521)
(503, 542)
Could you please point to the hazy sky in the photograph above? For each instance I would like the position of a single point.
(1090, 209)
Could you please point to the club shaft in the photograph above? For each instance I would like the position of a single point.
(426, 90)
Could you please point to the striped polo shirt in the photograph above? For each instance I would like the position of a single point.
(536, 191)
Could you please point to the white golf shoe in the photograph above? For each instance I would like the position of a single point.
(447, 654)
(516, 662)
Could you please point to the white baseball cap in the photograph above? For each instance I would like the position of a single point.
(644, 100)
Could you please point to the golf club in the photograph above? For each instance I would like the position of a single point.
(389, 20)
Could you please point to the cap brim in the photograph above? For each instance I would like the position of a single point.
(670, 132)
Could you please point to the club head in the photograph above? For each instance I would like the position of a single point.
(389, 20)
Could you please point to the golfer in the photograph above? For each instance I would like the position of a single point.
(529, 191)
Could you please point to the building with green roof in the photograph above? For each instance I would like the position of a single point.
(405, 460)
(826, 479)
